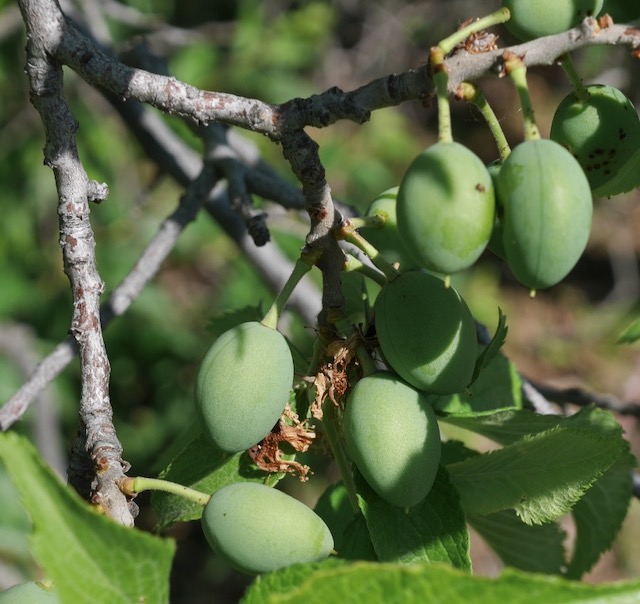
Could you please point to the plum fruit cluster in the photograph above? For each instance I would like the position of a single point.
(533, 208)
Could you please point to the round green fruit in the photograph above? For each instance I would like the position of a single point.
(243, 385)
(536, 18)
(547, 212)
(446, 208)
(257, 529)
(603, 134)
(386, 239)
(31, 592)
(392, 435)
(426, 333)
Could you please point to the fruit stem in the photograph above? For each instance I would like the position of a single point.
(449, 43)
(578, 86)
(344, 464)
(376, 221)
(471, 93)
(302, 266)
(137, 484)
(348, 233)
(352, 264)
(441, 78)
(517, 71)
(366, 360)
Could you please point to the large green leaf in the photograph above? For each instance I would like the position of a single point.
(432, 531)
(202, 467)
(534, 548)
(599, 514)
(541, 476)
(376, 583)
(89, 557)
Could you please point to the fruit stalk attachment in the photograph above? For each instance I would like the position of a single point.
(581, 92)
(471, 93)
(348, 233)
(517, 71)
(132, 486)
(302, 266)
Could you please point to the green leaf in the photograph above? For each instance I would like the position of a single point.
(491, 350)
(541, 476)
(498, 387)
(375, 583)
(599, 514)
(507, 427)
(631, 334)
(432, 531)
(206, 469)
(81, 551)
(533, 548)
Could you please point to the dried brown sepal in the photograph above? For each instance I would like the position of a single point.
(332, 379)
(269, 457)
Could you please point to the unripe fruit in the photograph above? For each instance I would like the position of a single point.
(387, 240)
(603, 134)
(547, 212)
(257, 529)
(243, 385)
(426, 333)
(393, 437)
(31, 592)
(536, 18)
(446, 208)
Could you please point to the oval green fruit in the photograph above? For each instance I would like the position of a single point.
(446, 208)
(547, 212)
(31, 592)
(257, 529)
(603, 134)
(392, 435)
(426, 333)
(243, 385)
(386, 239)
(536, 18)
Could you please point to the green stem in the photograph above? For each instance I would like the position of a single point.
(441, 78)
(302, 266)
(578, 86)
(517, 71)
(366, 360)
(352, 264)
(130, 486)
(348, 233)
(376, 221)
(471, 93)
(449, 43)
(344, 465)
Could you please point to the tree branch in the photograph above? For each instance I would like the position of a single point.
(97, 446)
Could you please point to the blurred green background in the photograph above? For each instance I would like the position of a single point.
(273, 50)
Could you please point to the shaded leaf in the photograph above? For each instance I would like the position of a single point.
(533, 548)
(432, 531)
(81, 551)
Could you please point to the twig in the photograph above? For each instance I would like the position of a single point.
(583, 398)
(97, 445)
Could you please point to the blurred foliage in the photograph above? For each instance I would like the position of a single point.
(273, 50)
